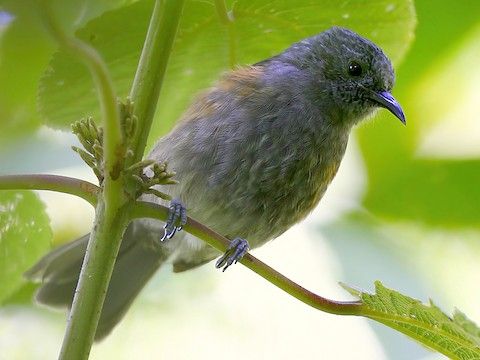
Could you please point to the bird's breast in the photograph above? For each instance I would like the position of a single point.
(269, 187)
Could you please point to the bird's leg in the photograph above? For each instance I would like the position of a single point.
(237, 248)
(177, 217)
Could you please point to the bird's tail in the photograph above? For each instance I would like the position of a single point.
(59, 271)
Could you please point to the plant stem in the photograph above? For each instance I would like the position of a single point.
(112, 206)
(151, 68)
(89, 191)
(145, 209)
(108, 102)
(97, 268)
(67, 185)
(110, 222)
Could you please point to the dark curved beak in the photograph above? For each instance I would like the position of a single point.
(386, 100)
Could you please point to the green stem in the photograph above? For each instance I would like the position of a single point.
(151, 68)
(219, 242)
(89, 191)
(106, 237)
(80, 188)
(108, 102)
(97, 268)
(112, 206)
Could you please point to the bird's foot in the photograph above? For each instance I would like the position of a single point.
(237, 248)
(177, 218)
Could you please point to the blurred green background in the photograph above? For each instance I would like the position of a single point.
(404, 208)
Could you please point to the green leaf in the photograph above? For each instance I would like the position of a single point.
(25, 50)
(25, 234)
(468, 325)
(433, 191)
(23, 296)
(205, 47)
(456, 337)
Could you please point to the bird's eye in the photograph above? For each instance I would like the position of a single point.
(354, 69)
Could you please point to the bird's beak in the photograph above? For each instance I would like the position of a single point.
(386, 100)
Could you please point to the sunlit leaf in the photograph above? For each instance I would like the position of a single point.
(456, 337)
(25, 234)
(205, 47)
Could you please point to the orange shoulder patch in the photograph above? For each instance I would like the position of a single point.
(243, 81)
(240, 83)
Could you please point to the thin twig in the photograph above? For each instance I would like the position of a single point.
(64, 184)
(146, 209)
(110, 220)
(103, 83)
(141, 209)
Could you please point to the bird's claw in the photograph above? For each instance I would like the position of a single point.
(237, 248)
(177, 217)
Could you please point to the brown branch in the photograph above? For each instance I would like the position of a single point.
(219, 242)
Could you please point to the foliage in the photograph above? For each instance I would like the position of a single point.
(435, 190)
(431, 191)
(457, 337)
(24, 235)
(204, 48)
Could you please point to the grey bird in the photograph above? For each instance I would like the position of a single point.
(253, 155)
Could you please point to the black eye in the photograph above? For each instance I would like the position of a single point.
(354, 69)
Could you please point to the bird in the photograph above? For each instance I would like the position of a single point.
(254, 154)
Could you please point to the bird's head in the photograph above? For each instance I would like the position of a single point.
(350, 76)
